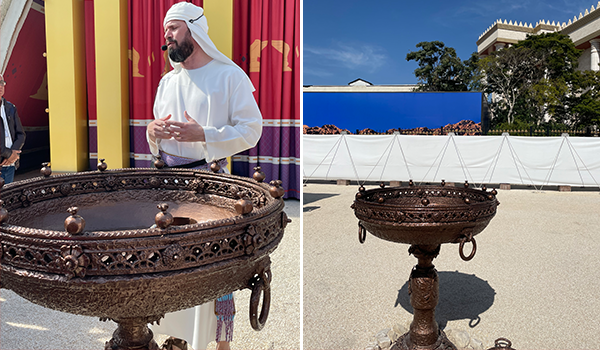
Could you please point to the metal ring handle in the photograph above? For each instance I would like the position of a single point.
(261, 284)
(362, 233)
(267, 276)
(499, 344)
(474, 322)
(462, 247)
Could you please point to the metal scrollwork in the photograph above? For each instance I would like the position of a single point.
(251, 240)
(197, 186)
(26, 197)
(154, 181)
(65, 189)
(73, 261)
(173, 255)
(110, 182)
(3, 217)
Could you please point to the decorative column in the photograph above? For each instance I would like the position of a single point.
(67, 106)
(220, 16)
(595, 54)
(112, 82)
(499, 46)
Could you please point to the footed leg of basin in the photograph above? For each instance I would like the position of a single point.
(423, 288)
(132, 333)
(442, 343)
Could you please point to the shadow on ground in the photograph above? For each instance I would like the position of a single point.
(461, 296)
(314, 197)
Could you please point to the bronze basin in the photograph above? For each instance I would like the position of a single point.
(123, 266)
(424, 215)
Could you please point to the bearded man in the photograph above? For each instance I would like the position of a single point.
(204, 110)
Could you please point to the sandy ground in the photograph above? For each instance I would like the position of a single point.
(534, 280)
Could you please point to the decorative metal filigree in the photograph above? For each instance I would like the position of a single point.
(126, 275)
(73, 261)
(425, 217)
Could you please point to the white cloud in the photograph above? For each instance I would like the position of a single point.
(572, 7)
(318, 72)
(356, 56)
(483, 9)
(531, 10)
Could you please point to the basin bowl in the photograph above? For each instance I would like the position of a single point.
(123, 266)
(424, 215)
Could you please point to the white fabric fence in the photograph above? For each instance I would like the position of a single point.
(508, 159)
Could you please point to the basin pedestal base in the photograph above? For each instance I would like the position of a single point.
(423, 288)
(442, 343)
(132, 333)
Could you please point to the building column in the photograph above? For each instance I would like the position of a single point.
(499, 46)
(112, 82)
(67, 104)
(220, 16)
(595, 54)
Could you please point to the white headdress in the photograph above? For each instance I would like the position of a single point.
(194, 18)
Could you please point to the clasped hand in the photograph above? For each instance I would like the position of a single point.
(165, 128)
(13, 158)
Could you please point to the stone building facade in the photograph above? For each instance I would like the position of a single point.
(584, 31)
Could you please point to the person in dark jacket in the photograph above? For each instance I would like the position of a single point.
(14, 137)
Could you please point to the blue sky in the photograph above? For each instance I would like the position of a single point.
(348, 39)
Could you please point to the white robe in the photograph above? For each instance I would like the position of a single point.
(220, 99)
(197, 325)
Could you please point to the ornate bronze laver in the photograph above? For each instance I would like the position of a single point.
(118, 257)
(425, 217)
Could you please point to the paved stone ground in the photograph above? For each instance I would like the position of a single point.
(27, 326)
(534, 280)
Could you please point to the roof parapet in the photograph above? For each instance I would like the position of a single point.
(510, 23)
(582, 15)
(558, 24)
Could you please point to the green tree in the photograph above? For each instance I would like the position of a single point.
(509, 74)
(536, 80)
(560, 55)
(560, 58)
(440, 69)
(544, 98)
(472, 74)
(581, 106)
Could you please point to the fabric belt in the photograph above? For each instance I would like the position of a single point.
(172, 161)
(191, 165)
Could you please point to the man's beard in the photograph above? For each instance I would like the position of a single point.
(179, 53)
